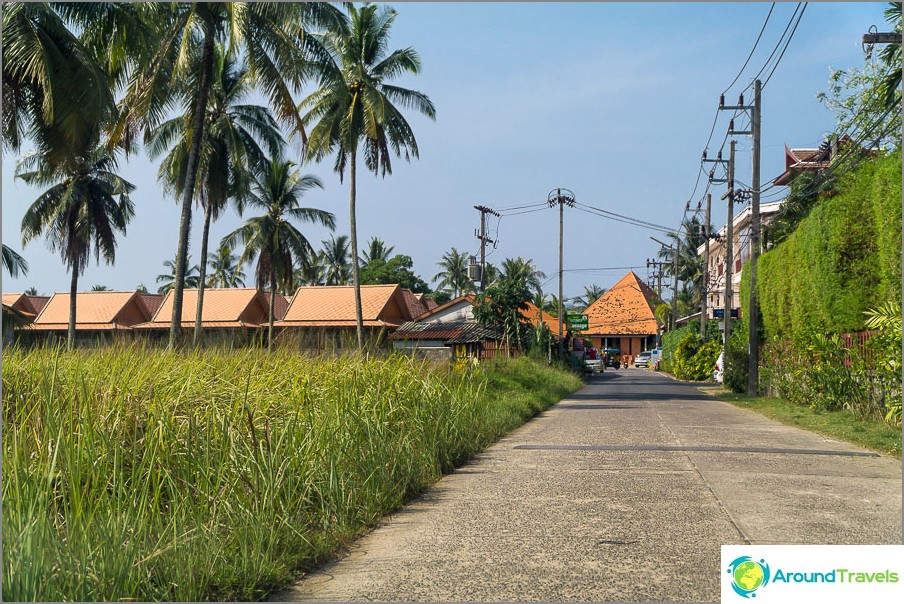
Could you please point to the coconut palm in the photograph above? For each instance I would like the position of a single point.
(234, 134)
(53, 90)
(14, 264)
(225, 271)
(454, 273)
(376, 250)
(272, 36)
(168, 280)
(356, 106)
(592, 293)
(310, 269)
(100, 288)
(86, 205)
(519, 269)
(335, 260)
(272, 237)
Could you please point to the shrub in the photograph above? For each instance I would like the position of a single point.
(695, 359)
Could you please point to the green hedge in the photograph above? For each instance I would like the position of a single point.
(842, 260)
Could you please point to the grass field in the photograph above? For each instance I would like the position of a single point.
(138, 474)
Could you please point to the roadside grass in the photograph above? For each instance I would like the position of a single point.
(138, 474)
(843, 425)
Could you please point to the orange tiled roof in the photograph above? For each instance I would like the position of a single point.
(412, 303)
(223, 307)
(96, 310)
(625, 309)
(551, 321)
(11, 299)
(280, 305)
(334, 306)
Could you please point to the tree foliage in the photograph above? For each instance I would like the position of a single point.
(398, 269)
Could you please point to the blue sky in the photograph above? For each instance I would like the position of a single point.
(611, 100)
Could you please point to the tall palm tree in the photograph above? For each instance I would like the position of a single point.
(233, 134)
(79, 211)
(168, 280)
(272, 237)
(376, 250)
(690, 269)
(54, 92)
(271, 35)
(310, 269)
(14, 264)
(334, 256)
(592, 293)
(519, 269)
(225, 271)
(454, 273)
(356, 106)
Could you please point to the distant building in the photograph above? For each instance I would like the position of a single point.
(623, 318)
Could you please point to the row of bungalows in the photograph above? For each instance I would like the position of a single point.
(238, 314)
(450, 331)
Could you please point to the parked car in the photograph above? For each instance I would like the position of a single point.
(643, 359)
(720, 367)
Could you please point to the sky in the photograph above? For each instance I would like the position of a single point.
(613, 101)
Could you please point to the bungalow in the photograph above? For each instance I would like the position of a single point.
(224, 310)
(97, 313)
(623, 319)
(20, 310)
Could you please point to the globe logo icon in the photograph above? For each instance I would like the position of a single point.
(748, 575)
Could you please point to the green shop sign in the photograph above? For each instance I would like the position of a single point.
(576, 321)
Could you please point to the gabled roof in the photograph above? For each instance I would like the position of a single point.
(334, 306)
(455, 332)
(151, 302)
(280, 305)
(223, 307)
(413, 304)
(625, 309)
(26, 305)
(545, 317)
(95, 310)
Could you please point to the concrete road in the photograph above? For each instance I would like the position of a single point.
(624, 492)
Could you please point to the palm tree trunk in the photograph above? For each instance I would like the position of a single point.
(359, 315)
(191, 173)
(73, 288)
(272, 306)
(202, 272)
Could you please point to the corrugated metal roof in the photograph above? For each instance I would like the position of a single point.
(456, 332)
(337, 303)
(336, 323)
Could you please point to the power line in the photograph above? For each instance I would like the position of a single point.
(760, 35)
(775, 49)
(788, 43)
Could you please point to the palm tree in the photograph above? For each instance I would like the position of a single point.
(336, 265)
(272, 237)
(519, 269)
(376, 250)
(225, 270)
(79, 211)
(355, 105)
(32, 291)
(592, 293)
(168, 280)
(454, 273)
(233, 135)
(100, 288)
(53, 90)
(14, 264)
(310, 269)
(690, 269)
(271, 35)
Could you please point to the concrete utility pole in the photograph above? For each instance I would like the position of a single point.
(705, 285)
(675, 284)
(729, 252)
(561, 197)
(753, 320)
(483, 242)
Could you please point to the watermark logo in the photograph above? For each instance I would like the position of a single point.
(748, 575)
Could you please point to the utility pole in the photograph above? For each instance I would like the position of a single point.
(483, 242)
(753, 320)
(557, 197)
(675, 252)
(657, 274)
(705, 285)
(729, 252)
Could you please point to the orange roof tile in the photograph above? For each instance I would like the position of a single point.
(551, 321)
(625, 309)
(151, 302)
(221, 305)
(11, 299)
(412, 304)
(93, 308)
(336, 304)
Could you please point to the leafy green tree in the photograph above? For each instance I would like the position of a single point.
(237, 138)
(335, 260)
(273, 237)
(356, 105)
(592, 293)
(690, 267)
(86, 204)
(376, 250)
(168, 280)
(504, 304)
(891, 57)
(225, 271)
(454, 273)
(272, 36)
(398, 269)
(310, 269)
(14, 264)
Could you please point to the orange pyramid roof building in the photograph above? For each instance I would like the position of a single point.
(625, 309)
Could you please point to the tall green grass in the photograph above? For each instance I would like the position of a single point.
(137, 474)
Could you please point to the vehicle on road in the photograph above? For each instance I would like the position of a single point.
(593, 365)
(718, 372)
(643, 359)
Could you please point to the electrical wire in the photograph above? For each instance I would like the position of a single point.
(775, 49)
(744, 66)
(788, 43)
